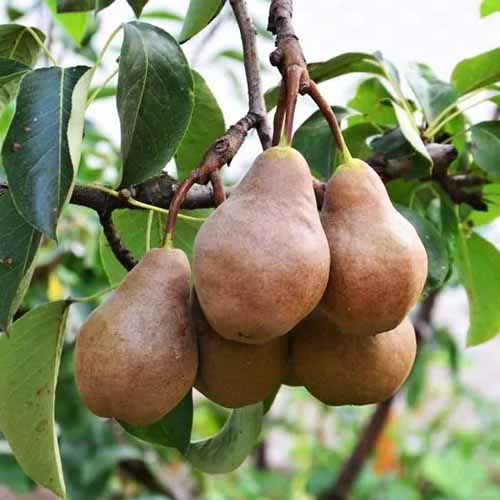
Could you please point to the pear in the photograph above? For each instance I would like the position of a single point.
(347, 369)
(261, 260)
(378, 263)
(136, 355)
(233, 374)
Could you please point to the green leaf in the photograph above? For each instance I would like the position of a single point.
(485, 146)
(29, 365)
(200, 13)
(477, 72)
(435, 247)
(478, 265)
(227, 450)
(137, 6)
(491, 194)
(350, 62)
(172, 431)
(422, 162)
(155, 100)
(42, 149)
(489, 7)
(74, 24)
(11, 72)
(207, 125)
(315, 141)
(131, 226)
(16, 42)
(356, 138)
(167, 15)
(373, 100)
(19, 245)
(433, 94)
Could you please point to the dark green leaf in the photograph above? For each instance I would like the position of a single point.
(29, 365)
(173, 430)
(350, 62)
(435, 247)
(64, 6)
(227, 450)
(433, 94)
(207, 125)
(11, 72)
(198, 16)
(478, 264)
(18, 247)
(74, 24)
(16, 42)
(356, 138)
(42, 149)
(477, 72)
(137, 6)
(373, 100)
(489, 7)
(315, 141)
(485, 146)
(155, 100)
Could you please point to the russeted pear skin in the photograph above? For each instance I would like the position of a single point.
(378, 264)
(136, 355)
(261, 260)
(233, 374)
(351, 370)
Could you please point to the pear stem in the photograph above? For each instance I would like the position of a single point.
(330, 117)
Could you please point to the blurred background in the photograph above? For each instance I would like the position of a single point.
(443, 434)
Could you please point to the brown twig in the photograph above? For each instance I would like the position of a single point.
(218, 187)
(219, 154)
(279, 116)
(121, 252)
(256, 102)
(328, 113)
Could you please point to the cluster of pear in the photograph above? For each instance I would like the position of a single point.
(281, 293)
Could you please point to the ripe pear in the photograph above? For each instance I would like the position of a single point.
(347, 369)
(378, 263)
(233, 374)
(261, 260)
(136, 355)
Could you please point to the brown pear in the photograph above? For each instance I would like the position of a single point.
(378, 263)
(261, 260)
(136, 355)
(233, 374)
(348, 369)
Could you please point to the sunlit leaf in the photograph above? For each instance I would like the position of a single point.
(478, 264)
(477, 72)
(198, 16)
(74, 24)
(29, 365)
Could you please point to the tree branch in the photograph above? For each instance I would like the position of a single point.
(256, 103)
(121, 252)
